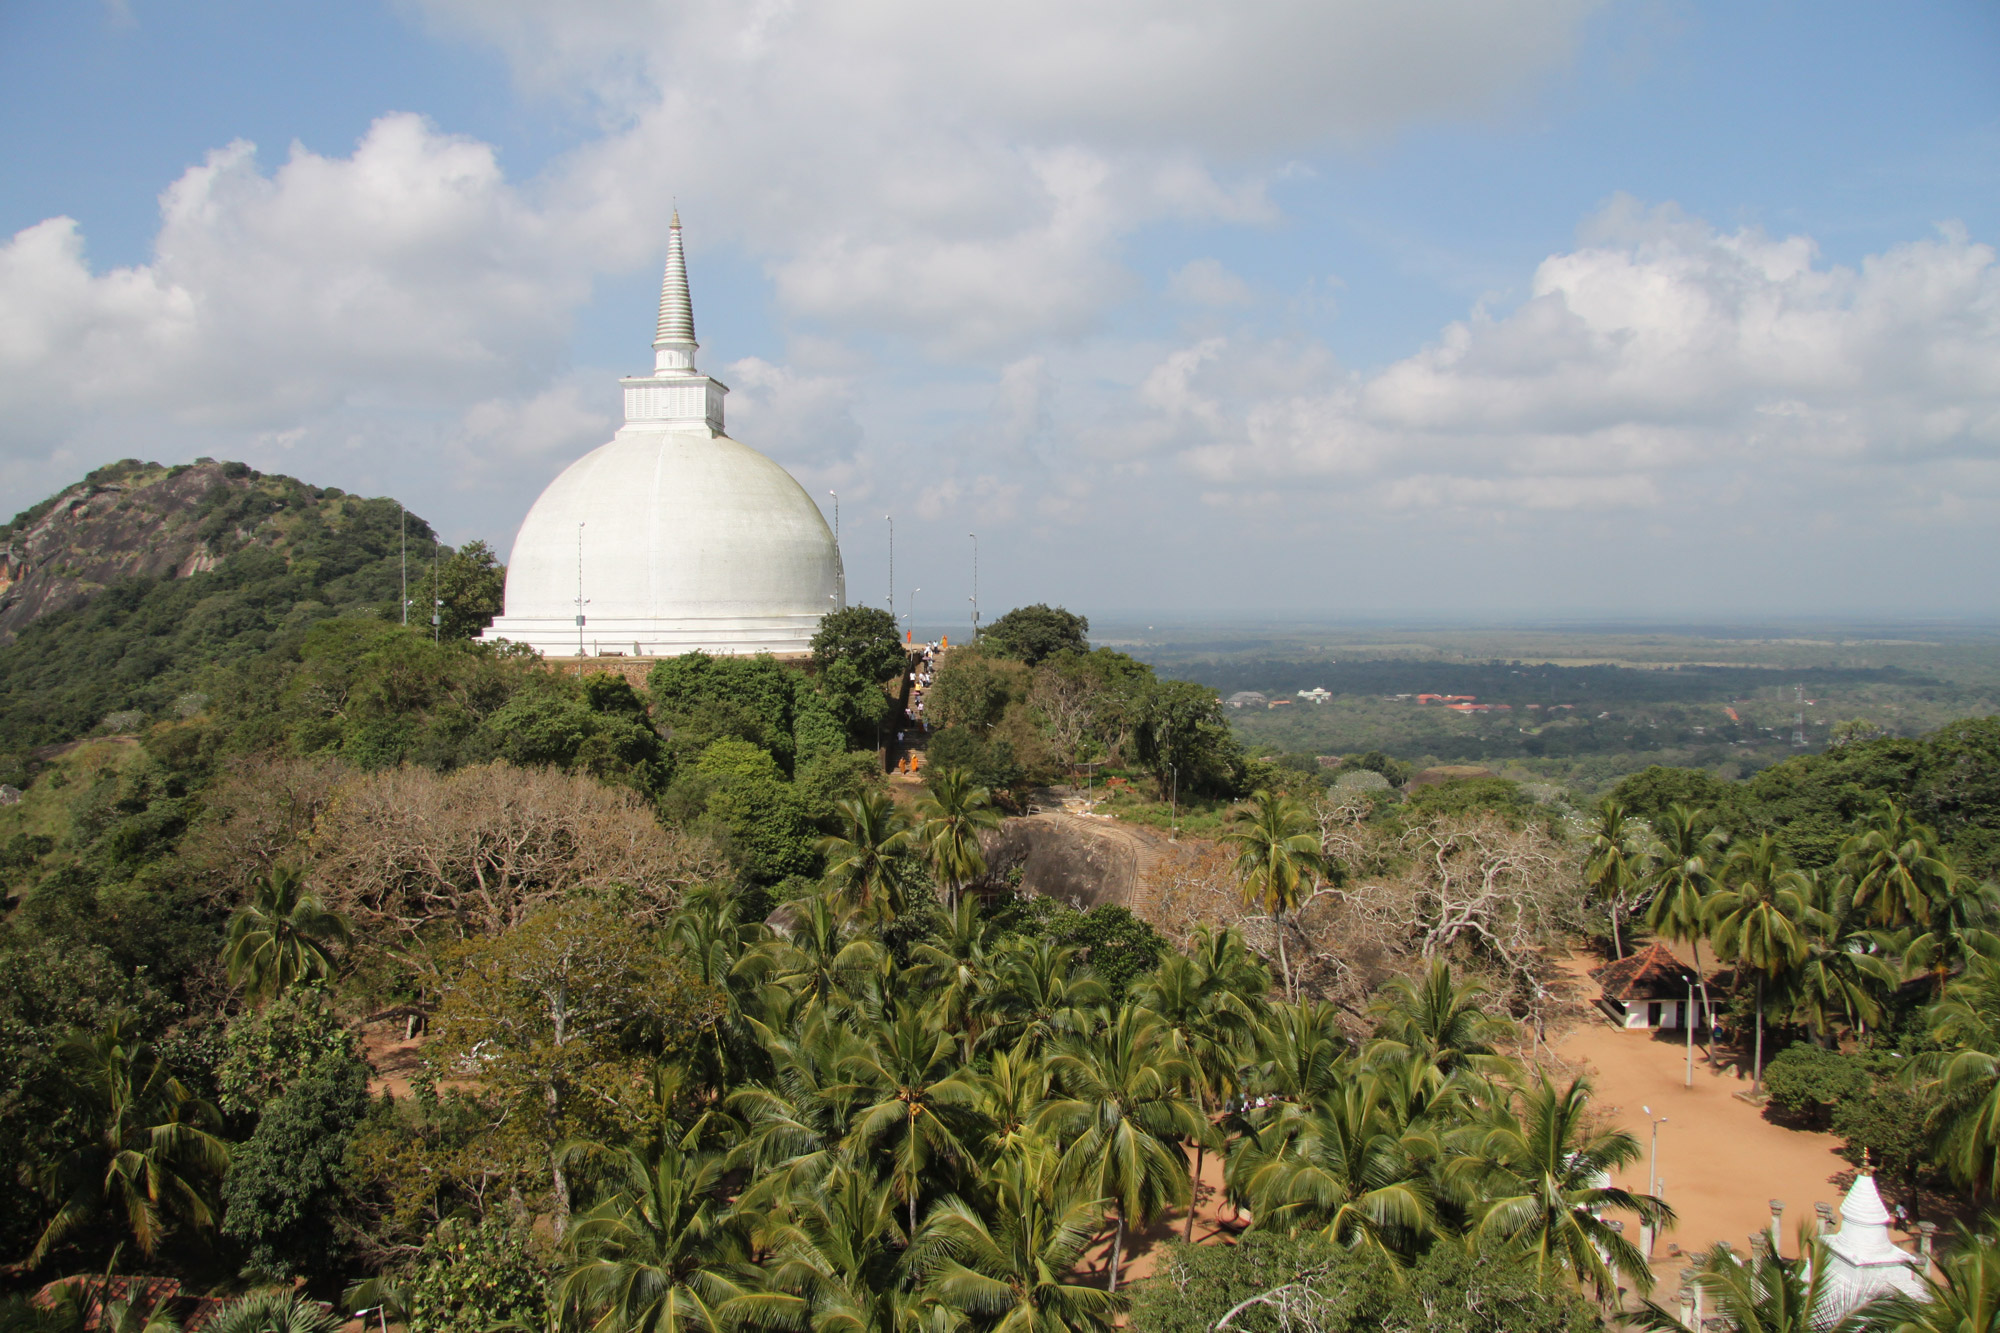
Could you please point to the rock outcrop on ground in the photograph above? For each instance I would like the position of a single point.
(1081, 860)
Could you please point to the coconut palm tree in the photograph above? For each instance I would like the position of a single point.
(1839, 980)
(949, 822)
(1009, 1264)
(1348, 1170)
(1961, 1296)
(835, 1260)
(1962, 925)
(1012, 1092)
(1688, 854)
(660, 1253)
(1122, 1116)
(282, 935)
(1438, 1023)
(1538, 1171)
(1892, 869)
(920, 1095)
(149, 1154)
(1756, 920)
(824, 958)
(956, 969)
(1967, 1074)
(1617, 868)
(273, 1312)
(1278, 859)
(1302, 1053)
(1040, 995)
(861, 858)
(1211, 1024)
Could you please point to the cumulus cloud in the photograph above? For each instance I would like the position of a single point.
(1658, 354)
(963, 174)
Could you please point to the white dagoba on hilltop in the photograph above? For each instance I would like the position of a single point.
(1861, 1261)
(673, 538)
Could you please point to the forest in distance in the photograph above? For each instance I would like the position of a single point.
(1584, 706)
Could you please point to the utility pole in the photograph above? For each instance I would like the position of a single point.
(580, 601)
(891, 521)
(406, 567)
(437, 598)
(839, 563)
(975, 585)
(911, 602)
(1799, 717)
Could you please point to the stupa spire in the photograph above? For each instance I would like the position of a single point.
(673, 340)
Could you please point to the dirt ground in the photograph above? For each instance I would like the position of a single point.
(1720, 1162)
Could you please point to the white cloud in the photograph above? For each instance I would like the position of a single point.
(1658, 358)
(1206, 282)
(964, 174)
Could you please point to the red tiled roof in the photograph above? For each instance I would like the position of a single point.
(1650, 974)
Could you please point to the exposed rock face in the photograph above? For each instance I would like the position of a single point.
(124, 521)
(1083, 862)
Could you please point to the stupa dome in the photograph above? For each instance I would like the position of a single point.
(672, 538)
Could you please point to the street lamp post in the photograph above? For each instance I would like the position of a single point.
(975, 585)
(581, 601)
(891, 521)
(910, 614)
(839, 563)
(1652, 1170)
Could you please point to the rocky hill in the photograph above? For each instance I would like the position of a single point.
(127, 520)
(120, 590)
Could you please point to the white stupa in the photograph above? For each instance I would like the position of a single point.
(1862, 1262)
(673, 538)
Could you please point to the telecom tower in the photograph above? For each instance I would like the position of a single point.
(1799, 716)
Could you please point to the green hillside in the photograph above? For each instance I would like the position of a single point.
(285, 555)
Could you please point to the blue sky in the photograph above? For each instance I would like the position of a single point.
(1548, 308)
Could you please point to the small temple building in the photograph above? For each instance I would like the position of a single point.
(1650, 989)
(673, 538)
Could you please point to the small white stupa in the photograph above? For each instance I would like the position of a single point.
(673, 538)
(1862, 1262)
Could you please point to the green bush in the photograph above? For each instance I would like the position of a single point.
(296, 1036)
(284, 1186)
(470, 1278)
(1808, 1080)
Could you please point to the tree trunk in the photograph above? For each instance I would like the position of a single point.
(559, 1223)
(1617, 939)
(1194, 1189)
(1284, 963)
(1117, 1250)
(1707, 1011)
(1757, 1061)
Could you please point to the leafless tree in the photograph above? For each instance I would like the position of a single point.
(1067, 701)
(475, 851)
(261, 812)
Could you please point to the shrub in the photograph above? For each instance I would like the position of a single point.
(469, 1279)
(284, 1185)
(1808, 1080)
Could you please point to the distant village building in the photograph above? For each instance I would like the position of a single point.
(1316, 696)
(1247, 699)
(1650, 989)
